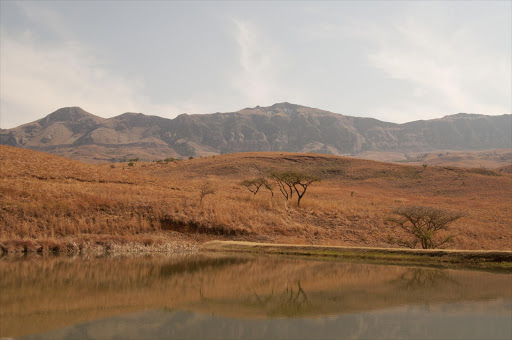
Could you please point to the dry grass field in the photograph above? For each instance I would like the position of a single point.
(46, 200)
(489, 159)
(496, 159)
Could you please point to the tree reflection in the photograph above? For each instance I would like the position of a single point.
(193, 265)
(291, 302)
(421, 278)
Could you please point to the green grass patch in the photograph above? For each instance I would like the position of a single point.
(490, 260)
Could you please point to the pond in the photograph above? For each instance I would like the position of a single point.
(247, 297)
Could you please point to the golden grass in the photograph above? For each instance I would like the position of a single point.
(488, 159)
(48, 197)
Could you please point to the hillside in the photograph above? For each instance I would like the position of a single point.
(497, 159)
(45, 198)
(74, 133)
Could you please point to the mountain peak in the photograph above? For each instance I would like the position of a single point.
(462, 115)
(68, 113)
(130, 115)
(285, 105)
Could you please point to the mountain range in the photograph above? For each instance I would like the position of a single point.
(75, 133)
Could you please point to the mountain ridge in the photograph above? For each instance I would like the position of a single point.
(76, 133)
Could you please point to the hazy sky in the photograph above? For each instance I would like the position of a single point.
(393, 60)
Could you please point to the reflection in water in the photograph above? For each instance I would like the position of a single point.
(192, 265)
(58, 295)
(421, 278)
(288, 303)
(395, 323)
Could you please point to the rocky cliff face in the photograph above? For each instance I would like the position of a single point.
(74, 133)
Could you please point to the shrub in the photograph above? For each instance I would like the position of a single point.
(206, 189)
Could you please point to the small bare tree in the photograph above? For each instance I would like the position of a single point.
(207, 189)
(424, 224)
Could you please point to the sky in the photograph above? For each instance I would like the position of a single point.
(396, 61)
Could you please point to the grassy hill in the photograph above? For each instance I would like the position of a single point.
(48, 201)
(497, 159)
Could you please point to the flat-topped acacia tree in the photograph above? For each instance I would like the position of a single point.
(254, 185)
(293, 181)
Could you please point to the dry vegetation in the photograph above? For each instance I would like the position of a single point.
(45, 199)
(489, 159)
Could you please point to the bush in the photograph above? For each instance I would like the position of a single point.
(207, 188)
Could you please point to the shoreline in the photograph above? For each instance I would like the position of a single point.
(478, 259)
(123, 245)
(98, 245)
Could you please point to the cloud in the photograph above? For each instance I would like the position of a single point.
(425, 60)
(260, 64)
(449, 67)
(44, 17)
(36, 80)
(256, 64)
(38, 77)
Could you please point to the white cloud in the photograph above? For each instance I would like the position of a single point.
(38, 14)
(382, 64)
(36, 81)
(37, 78)
(448, 66)
(423, 65)
(260, 64)
(255, 62)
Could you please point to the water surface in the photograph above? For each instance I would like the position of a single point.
(247, 297)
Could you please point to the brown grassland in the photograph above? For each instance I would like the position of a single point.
(49, 202)
(496, 159)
